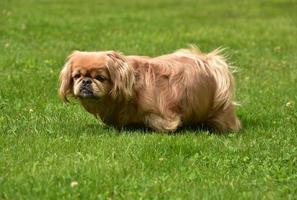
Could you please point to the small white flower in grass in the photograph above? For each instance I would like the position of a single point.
(74, 184)
(289, 104)
(161, 159)
(30, 110)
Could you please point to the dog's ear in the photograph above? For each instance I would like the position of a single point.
(121, 74)
(66, 82)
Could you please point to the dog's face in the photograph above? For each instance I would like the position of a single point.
(94, 75)
(90, 76)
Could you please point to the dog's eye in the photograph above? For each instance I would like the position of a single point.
(76, 76)
(100, 78)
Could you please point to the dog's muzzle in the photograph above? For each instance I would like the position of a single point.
(86, 90)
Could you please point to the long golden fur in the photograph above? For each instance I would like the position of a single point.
(164, 93)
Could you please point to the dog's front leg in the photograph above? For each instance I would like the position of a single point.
(162, 124)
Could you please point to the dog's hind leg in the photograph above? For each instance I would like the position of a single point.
(162, 124)
(225, 120)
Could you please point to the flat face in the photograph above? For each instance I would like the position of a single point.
(90, 75)
(92, 72)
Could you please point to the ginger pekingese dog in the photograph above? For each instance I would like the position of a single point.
(164, 93)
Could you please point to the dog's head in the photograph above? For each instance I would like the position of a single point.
(95, 75)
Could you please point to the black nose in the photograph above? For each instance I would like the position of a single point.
(86, 81)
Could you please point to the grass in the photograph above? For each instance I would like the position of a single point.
(46, 145)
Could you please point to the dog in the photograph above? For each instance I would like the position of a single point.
(184, 88)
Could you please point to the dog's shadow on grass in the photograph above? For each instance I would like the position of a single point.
(97, 129)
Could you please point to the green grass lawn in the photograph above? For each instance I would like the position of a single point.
(49, 150)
